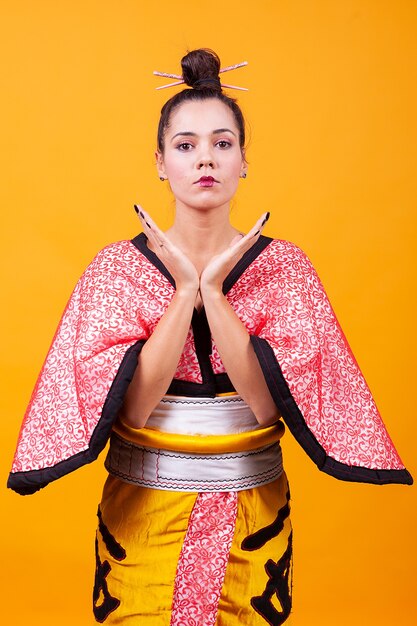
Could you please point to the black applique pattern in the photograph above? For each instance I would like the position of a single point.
(259, 539)
(109, 603)
(279, 583)
(279, 574)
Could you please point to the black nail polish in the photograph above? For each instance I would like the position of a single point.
(136, 208)
(266, 218)
(257, 232)
(148, 225)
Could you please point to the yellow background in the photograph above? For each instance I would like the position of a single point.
(332, 115)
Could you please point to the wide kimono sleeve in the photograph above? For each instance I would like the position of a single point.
(89, 366)
(315, 379)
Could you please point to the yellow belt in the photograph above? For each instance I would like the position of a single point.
(201, 444)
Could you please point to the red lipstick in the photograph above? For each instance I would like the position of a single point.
(206, 181)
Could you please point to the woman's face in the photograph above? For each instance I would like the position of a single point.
(202, 157)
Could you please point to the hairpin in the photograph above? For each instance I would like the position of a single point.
(180, 79)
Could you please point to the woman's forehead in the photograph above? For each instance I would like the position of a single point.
(201, 117)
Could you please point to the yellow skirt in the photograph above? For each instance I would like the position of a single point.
(167, 558)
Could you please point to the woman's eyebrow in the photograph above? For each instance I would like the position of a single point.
(184, 133)
(223, 130)
(188, 133)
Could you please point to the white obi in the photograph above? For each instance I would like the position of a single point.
(197, 444)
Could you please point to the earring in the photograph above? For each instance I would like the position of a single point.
(162, 178)
(243, 175)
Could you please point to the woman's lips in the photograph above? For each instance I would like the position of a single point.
(206, 181)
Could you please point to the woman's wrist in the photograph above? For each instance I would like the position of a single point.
(186, 292)
(211, 293)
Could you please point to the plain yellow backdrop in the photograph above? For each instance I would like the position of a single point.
(332, 155)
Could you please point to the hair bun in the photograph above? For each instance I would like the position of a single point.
(200, 69)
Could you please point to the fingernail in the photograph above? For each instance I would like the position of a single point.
(266, 218)
(135, 206)
(147, 224)
(257, 232)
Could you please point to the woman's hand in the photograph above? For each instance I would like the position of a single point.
(213, 275)
(177, 263)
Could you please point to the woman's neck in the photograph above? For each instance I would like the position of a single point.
(202, 232)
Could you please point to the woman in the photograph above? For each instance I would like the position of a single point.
(189, 346)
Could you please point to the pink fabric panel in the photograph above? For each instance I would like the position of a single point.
(203, 559)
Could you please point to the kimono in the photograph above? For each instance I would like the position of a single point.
(310, 371)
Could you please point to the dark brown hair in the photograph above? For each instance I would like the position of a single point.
(200, 70)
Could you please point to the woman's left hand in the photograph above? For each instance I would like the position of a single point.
(213, 275)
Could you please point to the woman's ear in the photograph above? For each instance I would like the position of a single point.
(244, 161)
(244, 168)
(160, 165)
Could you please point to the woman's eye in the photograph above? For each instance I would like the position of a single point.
(224, 144)
(184, 146)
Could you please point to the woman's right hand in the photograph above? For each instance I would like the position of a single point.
(177, 263)
(160, 355)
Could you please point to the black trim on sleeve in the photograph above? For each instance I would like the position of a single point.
(203, 347)
(140, 243)
(222, 384)
(29, 482)
(249, 256)
(295, 421)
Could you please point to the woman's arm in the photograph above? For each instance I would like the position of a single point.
(238, 356)
(229, 333)
(158, 359)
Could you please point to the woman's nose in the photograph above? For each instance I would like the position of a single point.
(205, 157)
(205, 163)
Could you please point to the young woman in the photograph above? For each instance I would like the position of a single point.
(188, 347)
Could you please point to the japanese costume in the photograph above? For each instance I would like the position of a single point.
(194, 521)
